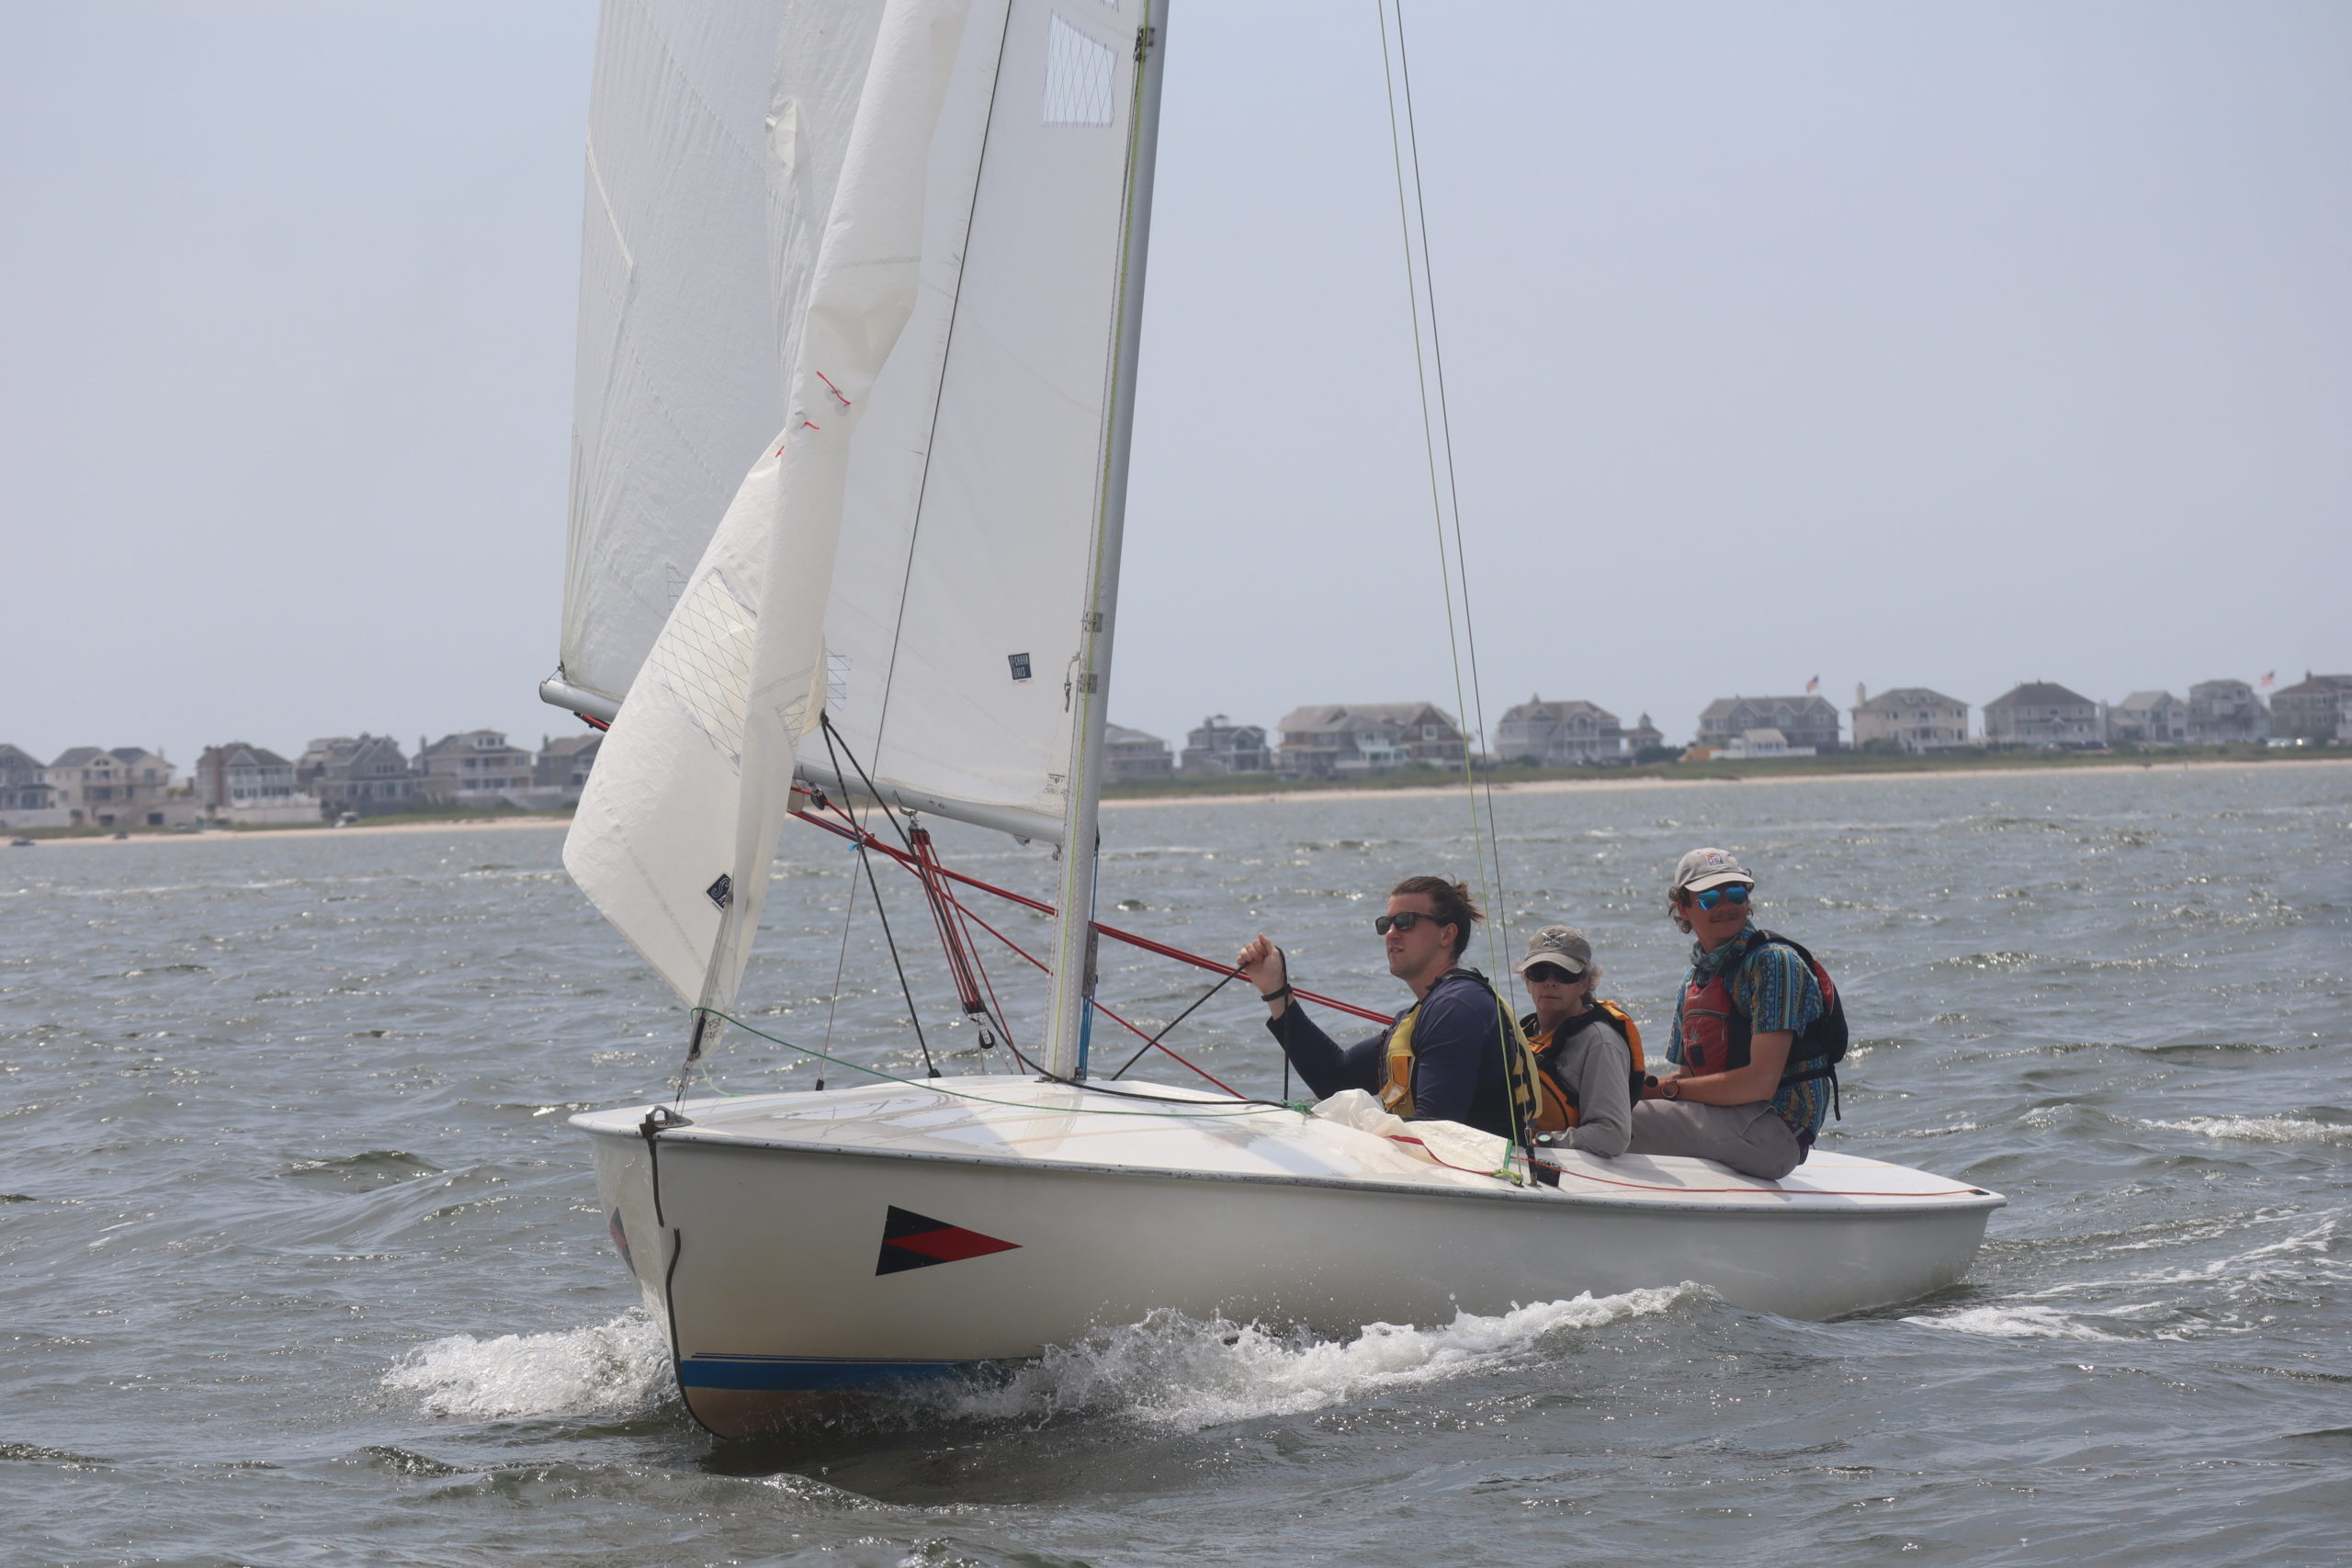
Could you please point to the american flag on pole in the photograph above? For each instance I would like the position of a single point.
(1815, 685)
(2270, 678)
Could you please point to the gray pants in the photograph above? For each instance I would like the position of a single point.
(1751, 1139)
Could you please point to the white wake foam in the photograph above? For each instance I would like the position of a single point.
(2278, 1129)
(2011, 1322)
(1180, 1373)
(617, 1369)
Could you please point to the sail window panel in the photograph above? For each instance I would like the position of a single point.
(704, 659)
(978, 478)
(1081, 78)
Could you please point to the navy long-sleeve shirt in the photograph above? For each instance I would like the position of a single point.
(1458, 1057)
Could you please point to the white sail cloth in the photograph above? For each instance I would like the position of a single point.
(966, 559)
(677, 826)
(912, 552)
(716, 135)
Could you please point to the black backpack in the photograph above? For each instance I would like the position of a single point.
(1821, 1045)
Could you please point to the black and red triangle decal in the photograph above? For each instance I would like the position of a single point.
(917, 1241)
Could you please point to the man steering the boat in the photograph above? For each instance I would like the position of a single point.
(1453, 1056)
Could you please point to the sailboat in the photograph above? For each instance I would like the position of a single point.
(861, 301)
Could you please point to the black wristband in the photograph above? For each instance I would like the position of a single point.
(1279, 992)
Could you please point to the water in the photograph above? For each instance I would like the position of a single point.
(300, 1265)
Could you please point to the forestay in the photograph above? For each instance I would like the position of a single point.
(910, 551)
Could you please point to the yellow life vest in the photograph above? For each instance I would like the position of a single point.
(1559, 1113)
(1519, 1070)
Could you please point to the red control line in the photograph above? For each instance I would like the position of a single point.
(859, 835)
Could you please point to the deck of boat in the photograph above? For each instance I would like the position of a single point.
(1045, 1125)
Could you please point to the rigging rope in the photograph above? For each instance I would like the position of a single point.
(948, 1086)
(1180, 1018)
(931, 1068)
(1130, 939)
(1437, 444)
(840, 963)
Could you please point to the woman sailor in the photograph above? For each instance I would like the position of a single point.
(1586, 1049)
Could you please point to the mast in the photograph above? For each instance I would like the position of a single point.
(1072, 999)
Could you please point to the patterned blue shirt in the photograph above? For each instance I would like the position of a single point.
(1776, 991)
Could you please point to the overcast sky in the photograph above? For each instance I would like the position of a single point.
(1951, 344)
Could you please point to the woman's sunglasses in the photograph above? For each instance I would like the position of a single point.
(1736, 893)
(1382, 924)
(1550, 975)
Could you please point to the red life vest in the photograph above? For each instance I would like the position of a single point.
(1716, 1035)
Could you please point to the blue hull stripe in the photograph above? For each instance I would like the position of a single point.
(794, 1374)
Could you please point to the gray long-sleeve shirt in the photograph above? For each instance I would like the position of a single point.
(1595, 1066)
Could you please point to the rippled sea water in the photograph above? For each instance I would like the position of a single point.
(300, 1264)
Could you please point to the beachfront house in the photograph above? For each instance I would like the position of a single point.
(2149, 718)
(2224, 712)
(1560, 734)
(2045, 715)
(1913, 717)
(1221, 747)
(251, 785)
(24, 782)
(561, 769)
(1766, 742)
(363, 774)
(471, 768)
(1341, 740)
(2316, 709)
(1809, 724)
(1129, 754)
(127, 786)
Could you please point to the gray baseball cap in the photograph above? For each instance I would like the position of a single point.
(1702, 868)
(1563, 945)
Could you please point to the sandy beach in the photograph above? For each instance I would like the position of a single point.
(1563, 786)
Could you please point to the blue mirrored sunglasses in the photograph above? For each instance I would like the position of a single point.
(1735, 894)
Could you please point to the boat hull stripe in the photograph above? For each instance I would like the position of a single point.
(799, 1373)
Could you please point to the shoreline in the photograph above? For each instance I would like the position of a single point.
(1257, 797)
(1568, 786)
(370, 829)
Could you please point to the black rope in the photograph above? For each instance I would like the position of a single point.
(1172, 1025)
(931, 1068)
(830, 736)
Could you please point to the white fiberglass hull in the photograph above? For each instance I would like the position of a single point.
(810, 1241)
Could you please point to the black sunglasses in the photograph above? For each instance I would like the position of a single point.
(1549, 975)
(1382, 924)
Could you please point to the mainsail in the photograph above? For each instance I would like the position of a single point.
(917, 551)
(716, 134)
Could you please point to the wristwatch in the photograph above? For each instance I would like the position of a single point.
(1670, 1090)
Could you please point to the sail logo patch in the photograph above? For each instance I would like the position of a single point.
(917, 1241)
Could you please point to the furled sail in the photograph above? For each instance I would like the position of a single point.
(913, 551)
